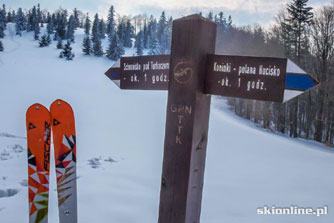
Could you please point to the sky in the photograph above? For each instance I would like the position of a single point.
(243, 12)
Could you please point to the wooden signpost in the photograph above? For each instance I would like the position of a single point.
(259, 78)
(191, 74)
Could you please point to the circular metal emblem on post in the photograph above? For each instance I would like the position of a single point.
(183, 72)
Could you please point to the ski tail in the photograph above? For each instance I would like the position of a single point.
(64, 140)
(38, 139)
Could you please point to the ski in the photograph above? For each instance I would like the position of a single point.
(38, 139)
(64, 140)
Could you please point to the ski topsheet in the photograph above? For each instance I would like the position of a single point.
(64, 140)
(38, 138)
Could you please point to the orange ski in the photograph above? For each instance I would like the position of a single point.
(64, 140)
(38, 137)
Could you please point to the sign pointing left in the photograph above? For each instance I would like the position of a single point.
(114, 73)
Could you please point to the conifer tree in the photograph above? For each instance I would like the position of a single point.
(229, 22)
(128, 34)
(169, 29)
(87, 25)
(33, 21)
(115, 49)
(102, 29)
(95, 28)
(2, 31)
(162, 27)
(54, 21)
(76, 21)
(1, 46)
(145, 36)
(210, 16)
(70, 29)
(97, 47)
(139, 44)
(48, 18)
(29, 22)
(67, 51)
(56, 36)
(221, 19)
(151, 30)
(44, 41)
(36, 32)
(60, 43)
(111, 22)
(61, 24)
(154, 46)
(3, 18)
(49, 27)
(39, 15)
(13, 16)
(121, 31)
(2, 23)
(299, 18)
(48, 39)
(9, 17)
(87, 46)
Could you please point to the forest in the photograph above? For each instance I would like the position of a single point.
(299, 32)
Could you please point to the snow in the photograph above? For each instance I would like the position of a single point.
(120, 137)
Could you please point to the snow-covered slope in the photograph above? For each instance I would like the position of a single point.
(120, 137)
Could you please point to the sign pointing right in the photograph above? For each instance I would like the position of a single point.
(297, 81)
(258, 78)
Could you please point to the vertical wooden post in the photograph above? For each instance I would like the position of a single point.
(187, 121)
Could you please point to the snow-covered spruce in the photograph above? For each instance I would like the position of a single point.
(97, 47)
(67, 51)
(111, 23)
(139, 43)
(2, 22)
(70, 29)
(115, 49)
(45, 41)
(60, 44)
(1, 46)
(21, 22)
(87, 25)
(87, 46)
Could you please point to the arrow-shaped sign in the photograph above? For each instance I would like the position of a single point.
(297, 81)
(114, 73)
(258, 78)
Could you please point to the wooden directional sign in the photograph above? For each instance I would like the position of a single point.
(145, 72)
(259, 78)
(191, 74)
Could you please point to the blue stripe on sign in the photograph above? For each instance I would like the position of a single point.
(114, 76)
(298, 82)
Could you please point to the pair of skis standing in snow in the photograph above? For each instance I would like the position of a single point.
(40, 121)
